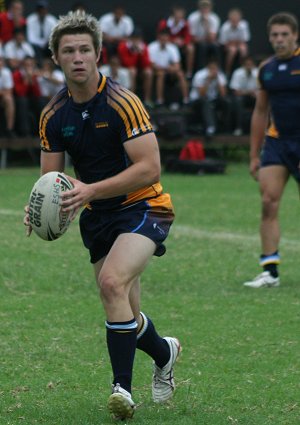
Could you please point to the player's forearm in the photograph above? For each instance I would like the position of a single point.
(135, 177)
(258, 126)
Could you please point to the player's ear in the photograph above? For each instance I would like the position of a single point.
(55, 60)
(98, 53)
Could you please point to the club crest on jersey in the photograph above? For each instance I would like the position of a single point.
(85, 115)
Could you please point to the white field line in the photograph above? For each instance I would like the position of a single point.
(198, 233)
(240, 238)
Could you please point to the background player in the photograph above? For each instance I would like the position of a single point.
(278, 99)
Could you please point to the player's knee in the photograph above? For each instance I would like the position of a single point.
(270, 207)
(110, 287)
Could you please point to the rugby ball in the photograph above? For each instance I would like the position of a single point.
(46, 217)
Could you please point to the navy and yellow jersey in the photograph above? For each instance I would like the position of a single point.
(94, 133)
(281, 80)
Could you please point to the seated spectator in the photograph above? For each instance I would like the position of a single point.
(27, 94)
(243, 85)
(166, 62)
(51, 80)
(134, 56)
(234, 37)
(116, 72)
(180, 35)
(7, 98)
(116, 26)
(11, 19)
(204, 26)
(17, 49)
(39, 27)
(209, 96)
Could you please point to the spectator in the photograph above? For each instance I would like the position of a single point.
(209, 95)
(6, 97)
(165, 58)
(116, 27)
(39, 27)
(17, 49)
(50, 79)
(134, 55)
(234, 37)
(115, 71)
(243, 84)
(180, 35)
(204, 26)
(27, 97)
(11, 19)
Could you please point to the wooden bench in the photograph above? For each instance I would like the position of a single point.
(17, 144)
(219, 142)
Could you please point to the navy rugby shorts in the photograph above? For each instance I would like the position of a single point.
(100, 228)
(284, 152)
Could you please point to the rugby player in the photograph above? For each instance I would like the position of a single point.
(107, 133)
(277, 108)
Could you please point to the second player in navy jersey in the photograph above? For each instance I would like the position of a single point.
(275, 137)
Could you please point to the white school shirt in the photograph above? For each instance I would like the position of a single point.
(163, 57)
(6, 79)
(199, 80)
(241, 80)
(120, 29)
(196, 25)
(239, 33)
(34, 27)
(12, 50)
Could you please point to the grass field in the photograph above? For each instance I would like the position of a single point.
(240, 362)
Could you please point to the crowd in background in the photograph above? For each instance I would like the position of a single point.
(196, 61)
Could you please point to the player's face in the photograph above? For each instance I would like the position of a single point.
(77, 57)
(283, 40)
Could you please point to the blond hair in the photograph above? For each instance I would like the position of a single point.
(77, 22)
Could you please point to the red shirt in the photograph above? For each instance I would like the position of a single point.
(133, 58)
(7, 26)
(22, 88)
(180, 30)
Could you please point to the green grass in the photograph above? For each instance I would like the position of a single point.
(240, 362)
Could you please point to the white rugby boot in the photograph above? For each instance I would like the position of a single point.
(263, 280)
(120, 403)
(163, 384)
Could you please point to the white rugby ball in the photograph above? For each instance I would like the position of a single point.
(46, 217)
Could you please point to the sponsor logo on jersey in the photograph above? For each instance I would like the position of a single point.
(68, 131)
(101, 124)
(282, 67)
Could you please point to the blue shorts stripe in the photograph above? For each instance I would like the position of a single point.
(142, 223)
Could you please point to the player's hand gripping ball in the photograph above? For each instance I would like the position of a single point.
(46, 217)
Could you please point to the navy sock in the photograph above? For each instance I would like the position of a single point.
(272, 268)
(121, 343)
(151, 343)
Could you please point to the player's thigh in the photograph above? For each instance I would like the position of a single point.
(272, 181)
(128, 257)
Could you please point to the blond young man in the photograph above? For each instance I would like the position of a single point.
(106, 131)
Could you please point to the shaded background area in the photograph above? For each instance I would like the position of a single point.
(146, 14)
